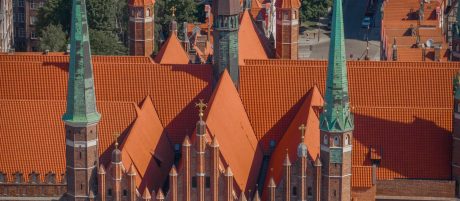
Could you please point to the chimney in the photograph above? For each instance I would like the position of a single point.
(437, 52)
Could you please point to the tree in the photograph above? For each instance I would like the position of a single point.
(106, 43)
(313, 9)
(53, 39)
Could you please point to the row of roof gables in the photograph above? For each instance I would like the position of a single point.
(32, 178)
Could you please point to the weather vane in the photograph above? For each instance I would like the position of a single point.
(173, 10)
(302, 131)
(201, 106)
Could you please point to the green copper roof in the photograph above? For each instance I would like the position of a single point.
(81, 100)
(336, 116)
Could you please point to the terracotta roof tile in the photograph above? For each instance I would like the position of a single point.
(32, 134)
(307, 114)
(227, 120)
(148, 148)
(362, 176)
(250, 43)
(172, 52)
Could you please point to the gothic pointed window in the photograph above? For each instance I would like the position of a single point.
(147, 14)
(336, 141)
(347, 140)
(325, 140)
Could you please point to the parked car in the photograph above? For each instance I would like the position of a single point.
(366, 22)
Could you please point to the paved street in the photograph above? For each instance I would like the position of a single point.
(310, 48)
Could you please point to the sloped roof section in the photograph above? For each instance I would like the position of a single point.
(148, 148)
(250, 43)
(287, 3)
(141, 2)
(227, 120)
(172, 52)
(307, 114)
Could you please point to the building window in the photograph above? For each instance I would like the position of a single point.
(294, 191)
(50, 178)
(194, 182)
(33, 20)
(147, 14)
(286, 15)
(325, 140)
(33, 4)
(336, 141)
(294, 15)
(20, 3)
(125, 192)
(2, 177)
(18, 178)
(272, 144)
(309, 191)
(18, 17)
(208, 182)
(33, 35)
(109, 192)
(33, 178)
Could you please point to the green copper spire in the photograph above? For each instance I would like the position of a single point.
(336, 116)
(81, 100)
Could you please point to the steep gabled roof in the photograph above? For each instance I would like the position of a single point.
(307, 114)
(228, 122)
(172, 52)
(148, 148)
(249, 42)
(287, 3)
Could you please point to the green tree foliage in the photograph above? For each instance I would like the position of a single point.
(53, 38)
(186, 11)
(106, 43)
(104, 16)
(312, 9)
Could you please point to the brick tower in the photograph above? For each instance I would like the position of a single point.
(456, 135)
(456, 36)
(81, 116)
(287, 28)
(336, 120)
(141, 27)
(226, 15)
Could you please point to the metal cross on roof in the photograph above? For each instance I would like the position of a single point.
(116, 135)
(173, 10)
(302, 131)
(201, 106)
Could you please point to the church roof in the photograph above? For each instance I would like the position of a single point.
(172, 52)
(307, 114)
(141, 2)
(287, 3)
(249, 42)
(148, 148)
(32, 98)
(228, 122)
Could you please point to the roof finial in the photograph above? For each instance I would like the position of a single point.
(115, 136)
(173, 10)
(201, 106)
(302, 131)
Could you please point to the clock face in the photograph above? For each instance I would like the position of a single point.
(325, 140)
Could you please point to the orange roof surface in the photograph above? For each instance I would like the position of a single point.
(32, 139)
(307, 114)
(141, 2)
(249, 43)
(400, 97)
(148, 148)
(362, 176)
(172, 52)
(227, 120)
(287, 3)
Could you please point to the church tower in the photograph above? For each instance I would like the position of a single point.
(81, 117)
(226, 14)
(456, 135)
(287, 28)
(336, 120)
(141, 27)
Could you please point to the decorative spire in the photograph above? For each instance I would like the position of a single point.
(302, 148)
(201, 125)
(116, 153)
(337, 117)
(302, 132)
(201, 106)
(81, 98)
(287, 162)
(132, 170)
(173, 171)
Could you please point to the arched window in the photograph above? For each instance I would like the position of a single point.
(140, 13)
(147, 14)
(325, 140)
(125, 192)
(346, 140)
(336, 141)
(294, 15)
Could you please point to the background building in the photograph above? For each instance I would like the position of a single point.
(25, 17)
(6, 25)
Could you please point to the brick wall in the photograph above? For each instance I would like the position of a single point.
(32, 190)
(416, 188)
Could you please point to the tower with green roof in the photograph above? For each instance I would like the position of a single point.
(336, 120)
(81, 117)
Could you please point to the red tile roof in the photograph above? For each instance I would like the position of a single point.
(249, 41)
(307, 114)
(287, 3)
(141, 2)
(227, 120)
(362, 176)
(148, 148)
(32, 139)
(172, 52)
